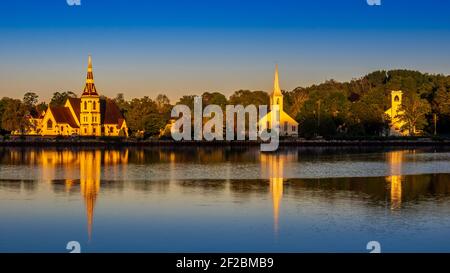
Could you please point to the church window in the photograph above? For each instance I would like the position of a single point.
(285, 126)
(396, 99)
(85, 105)
(94, 105)
(294, 129)
(93, 130)
(49, 124)
(85, 130)
(111, 130)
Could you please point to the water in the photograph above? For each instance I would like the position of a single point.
(225, 200)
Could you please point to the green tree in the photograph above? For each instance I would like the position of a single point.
(187, 100)
(214, 98)
(247, 97)
(14, 116)
(58, 99)
(163, 104)
(30, 99)
(143, 117)
(414, 112)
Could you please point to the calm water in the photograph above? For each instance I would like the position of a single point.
(224, 200)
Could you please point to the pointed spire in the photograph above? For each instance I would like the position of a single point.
(276, 84)
(89, 88)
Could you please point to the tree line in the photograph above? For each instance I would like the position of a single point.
(329, 109)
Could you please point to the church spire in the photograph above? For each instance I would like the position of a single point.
(276, 84)
(89, 88)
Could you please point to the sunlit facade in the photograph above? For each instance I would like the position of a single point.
(288, 125)
(89, 115)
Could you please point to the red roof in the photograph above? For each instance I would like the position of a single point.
(76, 104)
(110, 112)
(63, 115)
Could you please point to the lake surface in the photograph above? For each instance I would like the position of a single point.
(225, 199)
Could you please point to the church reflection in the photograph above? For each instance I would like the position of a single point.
(88, 166)
(272, 166)
(395, 160)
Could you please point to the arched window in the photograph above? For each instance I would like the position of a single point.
(49, 124)
(396, 99)
(94, 105)
(85, 105)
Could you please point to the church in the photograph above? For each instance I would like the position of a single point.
(89, 115)
(288, 125)
(396, 124)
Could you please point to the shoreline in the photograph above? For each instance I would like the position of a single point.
(236, 143)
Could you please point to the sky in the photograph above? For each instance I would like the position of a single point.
(179, 47)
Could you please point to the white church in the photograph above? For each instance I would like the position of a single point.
(288, 125)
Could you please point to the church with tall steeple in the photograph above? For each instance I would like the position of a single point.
(288, 125)
(89, 115)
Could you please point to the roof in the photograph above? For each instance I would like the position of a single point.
(110, 112)
(76, 104)
(63, 115)
(276, 84)
(89, 88)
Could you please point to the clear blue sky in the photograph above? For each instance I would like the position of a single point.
(188, 47)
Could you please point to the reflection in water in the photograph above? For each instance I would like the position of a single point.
(272, 166)
(395, 160)
(166, 188)
(89, 165)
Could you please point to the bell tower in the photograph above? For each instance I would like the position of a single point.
(396, 103)
(276, 98)
(90, 106)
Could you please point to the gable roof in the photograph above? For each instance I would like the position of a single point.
(110, 112)
(76, 104)
(62, 114)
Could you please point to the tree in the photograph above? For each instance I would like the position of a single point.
(323, 113)
(163, 105)
(187, 100)
(14, 116)
(413, 113)
(143, 117)
(59, 99)
(41, 107)
(30, 99)
(442, 101)
(214, 98)
(247, 97)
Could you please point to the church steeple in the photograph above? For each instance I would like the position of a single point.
(276, 98)
(89, 88)
(276, 84)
